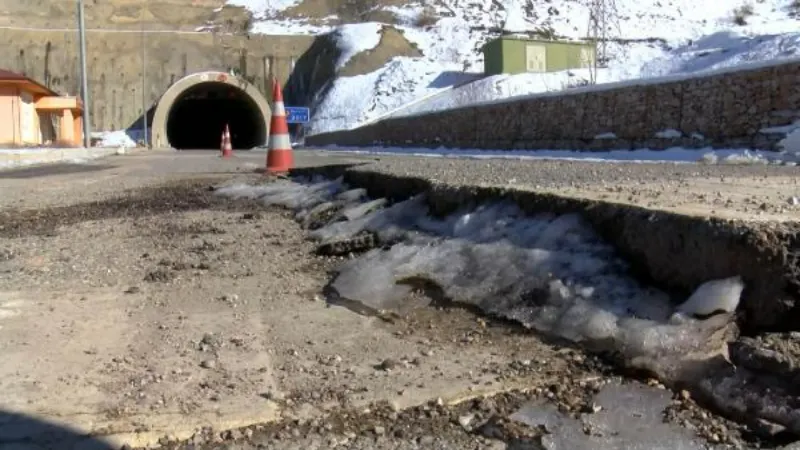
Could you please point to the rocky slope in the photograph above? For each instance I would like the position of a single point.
(644, 39)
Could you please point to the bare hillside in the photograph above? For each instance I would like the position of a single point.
(122, 14)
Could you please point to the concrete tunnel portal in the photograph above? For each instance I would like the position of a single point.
(192, 113)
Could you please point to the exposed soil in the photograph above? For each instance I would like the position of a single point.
(168, 306)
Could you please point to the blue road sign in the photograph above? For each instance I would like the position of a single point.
(297, 114)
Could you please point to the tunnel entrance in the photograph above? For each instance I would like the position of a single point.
(193, 112)
(199, 115)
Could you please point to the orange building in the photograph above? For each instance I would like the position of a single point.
(32, 114)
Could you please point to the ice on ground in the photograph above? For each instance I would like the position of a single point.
(552, 274)
(629, 417)
(547, 272)
(714, 296)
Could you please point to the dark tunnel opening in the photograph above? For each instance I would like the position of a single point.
(198, 117)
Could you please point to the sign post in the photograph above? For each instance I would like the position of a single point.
(299, 115)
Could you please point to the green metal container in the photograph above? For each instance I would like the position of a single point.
(512, 54)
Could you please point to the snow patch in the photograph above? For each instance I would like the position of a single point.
(669, 133)
(606, 135)
(515, 21)
(119, 138)
(679, 39)
(357, 38)
(477, 89)
(264, 8)
(343, 107)
(791, 142)
(678, 155)
(714, 296)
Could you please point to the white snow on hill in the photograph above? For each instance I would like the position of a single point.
(684, 36)
(357, 38)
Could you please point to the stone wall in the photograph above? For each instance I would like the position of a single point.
(115, 64)
(721, 110)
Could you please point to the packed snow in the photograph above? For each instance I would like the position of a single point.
(675, 37)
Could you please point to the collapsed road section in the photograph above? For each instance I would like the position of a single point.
(549, 270)
(178, 318)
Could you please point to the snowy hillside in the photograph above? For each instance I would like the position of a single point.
(671, 37)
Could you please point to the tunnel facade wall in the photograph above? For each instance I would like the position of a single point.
(724, 109)
(114, 63)
(167, 101)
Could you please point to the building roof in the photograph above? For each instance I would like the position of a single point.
(530, 38)
(13, 77)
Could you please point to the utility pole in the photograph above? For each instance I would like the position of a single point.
(603, 21)
(87, 139)
(144, 87)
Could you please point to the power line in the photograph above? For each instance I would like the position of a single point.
(603, 16)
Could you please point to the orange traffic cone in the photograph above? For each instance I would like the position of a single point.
(279, 156)
(227, 149)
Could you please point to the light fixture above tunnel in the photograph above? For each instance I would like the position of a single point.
(194, 111)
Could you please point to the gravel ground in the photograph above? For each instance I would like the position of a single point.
(172, 315)
(212, 307)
